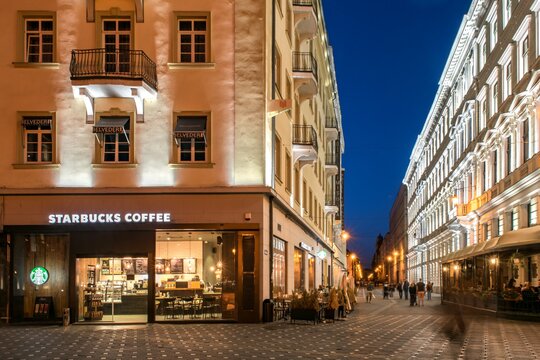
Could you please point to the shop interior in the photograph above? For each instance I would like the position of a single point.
(112, 289)
(195, 275)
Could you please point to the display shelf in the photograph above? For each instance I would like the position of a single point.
(93, 305)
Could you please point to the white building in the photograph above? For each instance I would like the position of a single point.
(474, 172)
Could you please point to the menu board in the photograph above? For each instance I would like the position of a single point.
(190, 266)
(141, 266)
(177, 266)
(43, 308)
(128, 266)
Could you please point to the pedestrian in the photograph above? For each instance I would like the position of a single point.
(406, 289)
(429, 289)
(400, 289)
(385, 291)
(369, 289)
(412, 292)
(420, 292)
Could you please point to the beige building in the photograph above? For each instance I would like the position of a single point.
(164, 160)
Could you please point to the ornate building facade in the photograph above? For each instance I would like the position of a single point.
(474, 172)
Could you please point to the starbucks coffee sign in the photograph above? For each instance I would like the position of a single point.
(39, 275)
(105, 218)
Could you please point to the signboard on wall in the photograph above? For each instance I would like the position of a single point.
(109, 218)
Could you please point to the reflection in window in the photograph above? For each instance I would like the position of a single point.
(299, 269)
(279, 268)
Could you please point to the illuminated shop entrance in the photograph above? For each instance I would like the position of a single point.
(112, 289)
(195, 276)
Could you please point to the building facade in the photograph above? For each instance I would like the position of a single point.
(473, 177)
(398, 237)
(169, 161)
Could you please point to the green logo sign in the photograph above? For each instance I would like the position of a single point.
(39, 275)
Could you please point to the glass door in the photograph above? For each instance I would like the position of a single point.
(112, 289)
(117, 43)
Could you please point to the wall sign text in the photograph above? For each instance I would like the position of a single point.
(106, 218)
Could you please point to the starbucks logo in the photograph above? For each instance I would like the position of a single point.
(39, 275)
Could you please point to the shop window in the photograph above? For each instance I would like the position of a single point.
(195, 275)
(191, 136)
(40, 276)
(37, 37)
(515, 219)
(533, 212)
(311, 271)
(299, 269)
(39, 141)
(114, 135)
(279, 268)
(193, 37)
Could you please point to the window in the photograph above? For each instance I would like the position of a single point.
(191, 135)
(524, 56)
(533, 212)
(305, 198)
(288, 172)
(507, 80)
(483, 53)
(193, 39)
(494, 33)
(114, 137)
(38, 143)
(278, 72)
(507, 11)
(38, 38)
(279, 268)
(483, 114)
(278, 158)
(500, 224)
(288, 22)
(515, 219)
(508, 155)
(494, 169)
(525, 140)
(494, 98)
(311, 271)
(297, 184)
(487, 230)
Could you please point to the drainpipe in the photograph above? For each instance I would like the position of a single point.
(272, 180)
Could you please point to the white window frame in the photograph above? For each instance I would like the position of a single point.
(522, 39)
(532, 212)
(39, 132)
(493, 28)
(507, 12)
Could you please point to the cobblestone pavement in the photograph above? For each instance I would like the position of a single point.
(380, 330)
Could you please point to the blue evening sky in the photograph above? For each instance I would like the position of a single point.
(389, 57)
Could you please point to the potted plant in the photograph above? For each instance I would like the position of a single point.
(305, 306)
(330, 313)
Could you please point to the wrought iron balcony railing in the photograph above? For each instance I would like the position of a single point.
(305, 135)
(331, 122)
(304, 62)
(306, 3)
(115, 64)
(331, 159)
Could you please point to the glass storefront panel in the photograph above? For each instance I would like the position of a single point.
(299, 269)
(40, 276)
(311, 271)
(112, 289)
(279, 268)
(195, 275)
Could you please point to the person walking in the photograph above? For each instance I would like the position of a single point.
(406, 289)
(369, 289)
(420, 291)
(385, 291)
(412, 293)
(400, 289)
(429, 289)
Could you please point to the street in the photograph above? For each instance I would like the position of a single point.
(380, 330)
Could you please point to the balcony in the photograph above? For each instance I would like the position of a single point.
(305, 75)
(331, 204)
(305, 19)
(97, 73)
(305, 147)
(331, 166)
(331, 129)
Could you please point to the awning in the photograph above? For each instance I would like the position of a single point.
(521, 237)
(471, 251)
(110, 125)
(189, 127)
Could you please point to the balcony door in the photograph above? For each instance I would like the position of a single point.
(117, 44)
